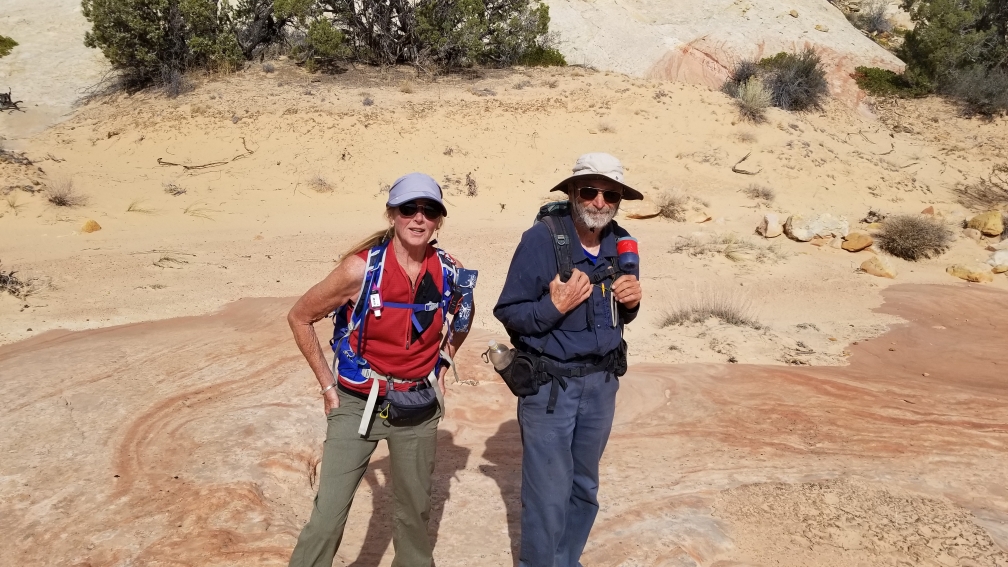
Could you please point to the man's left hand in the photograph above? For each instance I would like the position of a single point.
(627, 290)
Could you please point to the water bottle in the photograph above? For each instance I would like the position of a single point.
(628, 259)
(500, 356)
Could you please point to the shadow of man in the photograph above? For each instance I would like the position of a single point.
(451, 458)
(504, 452)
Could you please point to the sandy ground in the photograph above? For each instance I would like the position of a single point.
(864, 425)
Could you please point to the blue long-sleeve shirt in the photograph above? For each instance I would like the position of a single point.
(527, 311)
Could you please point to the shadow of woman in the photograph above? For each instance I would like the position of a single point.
(504, 453)
(451, 458)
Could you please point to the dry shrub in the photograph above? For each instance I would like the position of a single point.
(17, 286)
(744, 70)
(406, 87)
(914, 237)
(673, 206)
(872, 17)
(173, 189)
(136, 206)
(12, 202)
(62, 194)
(986, 194)
(320, 184)
(752, 100)
(796, 81)
(725, 306)
(471, 188)
(199, 211)
(606, 127)
(756, 191)
(729, 245)
(746, 137)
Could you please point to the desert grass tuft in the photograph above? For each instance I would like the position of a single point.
(137, 207)
(752, 100)
(268, 67)
(914, 237)
(406, 87)
(986, 194)
(673, 206)
(62, 194)
(746, 137)
(15, 285)
(320, 184)
(759, 192)
(606, 127)
(199, 211)
(12, 202)
(728, 307)
(730, 245)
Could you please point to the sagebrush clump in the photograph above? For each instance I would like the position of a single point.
(673, 206)
(914, 237)
(752, 100)
(6, 45)
(794, 82)
(63, 194)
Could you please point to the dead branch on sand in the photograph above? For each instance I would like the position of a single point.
(247, 153)
(743, 171)
(7, 103)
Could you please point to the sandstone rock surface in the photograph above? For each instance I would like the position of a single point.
(857, 241)
(990, 223)
(878, 266)
(699, 42)
(972, 233)
(770, 226)
(999, 258)
(825, 225)
(970, 273)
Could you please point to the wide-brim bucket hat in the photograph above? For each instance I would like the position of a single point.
(415, 186)
(599, 165)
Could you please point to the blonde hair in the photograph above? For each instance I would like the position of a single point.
(379, 237)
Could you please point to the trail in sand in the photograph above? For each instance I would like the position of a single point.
(193, 441)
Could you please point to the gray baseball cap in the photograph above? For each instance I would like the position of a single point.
(596, 165)
(415, 186)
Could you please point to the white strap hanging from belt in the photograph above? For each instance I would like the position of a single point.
(369, 408)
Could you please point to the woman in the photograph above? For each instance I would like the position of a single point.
(396, 289)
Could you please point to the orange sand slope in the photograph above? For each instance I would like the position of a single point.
(193, 441)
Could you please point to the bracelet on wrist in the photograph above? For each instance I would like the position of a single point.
(327, 388)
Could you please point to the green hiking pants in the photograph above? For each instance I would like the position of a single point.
(345, 459)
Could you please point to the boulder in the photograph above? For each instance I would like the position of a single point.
(970, 274)
(90, 226)
(857, 241)
(825, 225)
(990, 223)
(928, 211)
(972, 233)
(770, 226)
(878, 266)
(999, 258)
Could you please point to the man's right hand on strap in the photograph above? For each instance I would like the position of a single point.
(568, 295)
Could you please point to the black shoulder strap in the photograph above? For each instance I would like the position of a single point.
(561, 245)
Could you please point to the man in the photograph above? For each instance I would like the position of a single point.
(574, 330)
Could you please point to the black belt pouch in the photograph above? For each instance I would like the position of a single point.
(521, 375)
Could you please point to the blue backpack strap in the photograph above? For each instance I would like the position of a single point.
(345, 319)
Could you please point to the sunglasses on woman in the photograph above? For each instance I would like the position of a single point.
(410, 208)
(611, 197)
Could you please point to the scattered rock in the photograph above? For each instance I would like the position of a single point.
(770, 226)
(90, 226)
(928, 211)
(857, 241)
(822, 28)
(999, 258)
(793, 13)
(643, 209)
(972, 233)
(1000, 268)
(825, 225)
(989, 223)
(837, 242)
(970, 274)
(878, 266)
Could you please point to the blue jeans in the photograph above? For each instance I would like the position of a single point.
(560, 468)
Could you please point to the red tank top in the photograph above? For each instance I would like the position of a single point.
(386, 345)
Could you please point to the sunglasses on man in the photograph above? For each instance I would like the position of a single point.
(410, 208)
(609, 196)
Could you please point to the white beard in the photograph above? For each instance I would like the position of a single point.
(593, 218)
